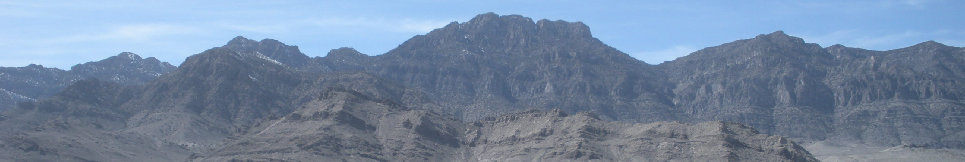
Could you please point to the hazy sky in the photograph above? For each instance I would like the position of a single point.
(63, 33)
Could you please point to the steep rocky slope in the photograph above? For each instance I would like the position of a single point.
(781, 85)
(772, 82)
(494, 64)
(908, 96)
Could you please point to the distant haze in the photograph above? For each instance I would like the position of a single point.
(61, 34)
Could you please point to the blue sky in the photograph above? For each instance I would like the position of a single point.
(63, 33)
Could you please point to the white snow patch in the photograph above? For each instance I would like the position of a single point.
(270, 126)
(16, 96)
(259, 55)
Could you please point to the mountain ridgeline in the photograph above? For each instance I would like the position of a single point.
(19, 84)
(776, 83)
(493, 88)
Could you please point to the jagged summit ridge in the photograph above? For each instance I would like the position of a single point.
(285, 54)
(494, 34)
(129, 55)
(491, 20)
(519, 63)
(344, 52)
(241, 41)
(779, 37)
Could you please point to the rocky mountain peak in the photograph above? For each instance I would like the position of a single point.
(123, 58)
(491, 18)
(241, 44)
(124, 68)
(929, 45)
(775, 45)
(285, 54)
(516, 25)
(344, 52)
(778, 38)
(496, 35)
(837, 46)
(566, 28)
(34, 66)
(240, 41)
(216, 56)
(129, 56)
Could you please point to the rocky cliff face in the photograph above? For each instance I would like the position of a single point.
(18, 84)
(907, 96)
(772, 82)
(495, 64)
(781, 85)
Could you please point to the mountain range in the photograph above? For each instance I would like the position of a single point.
(493, 88)
(20, 84)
